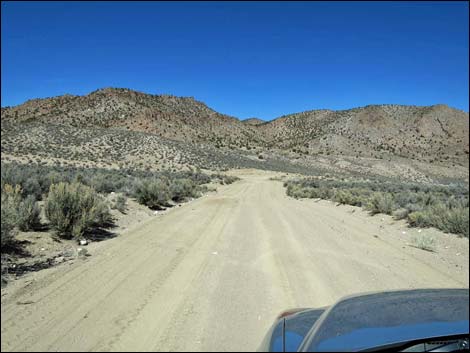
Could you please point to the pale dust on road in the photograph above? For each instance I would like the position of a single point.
(212, 275)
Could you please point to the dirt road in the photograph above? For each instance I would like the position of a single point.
(213, 274)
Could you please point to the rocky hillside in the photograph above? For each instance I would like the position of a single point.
(253, 121)
(434, 134)
(177, 118)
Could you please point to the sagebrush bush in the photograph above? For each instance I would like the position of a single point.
(344, 197)
(456, 220)
(401, 213)
(423, 242)
(423, 205)
(73, 209)
(180, 189)
(451, 220)
(28, 214)
(103, 217)
(35, 179)
(225, 179)
(381, 203)
(104, 184)
(22, 213)
(120, 203)
(230, 179)
(418, 219)
(152, 193)
(8, 214)
(32, 187)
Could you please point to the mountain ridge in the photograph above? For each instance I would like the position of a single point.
(428, 133)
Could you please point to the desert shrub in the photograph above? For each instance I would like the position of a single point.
(418, 219)
(103, 217)
(198, 177)
(8, 222)
(181, 189)
(423, 242)
(28, 214)
(452, 220)
(405, 198)
(36, 179)
(345, 197)
(24, 213)
(323, 193)
(152, 193)
(55, 177)
(298, 192)
(414, 207)
(32, 187)
(8, 213)
(422, 205)
(342, 197)
(103, 184)
(381, 203)
(401, 213)
(457, 202)
(119, 203)
(73, 209)
(225, 179)
(455, 220)
(229, 179)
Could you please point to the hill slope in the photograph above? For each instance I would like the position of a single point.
(435, 134)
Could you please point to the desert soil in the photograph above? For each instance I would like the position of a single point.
(213, 274)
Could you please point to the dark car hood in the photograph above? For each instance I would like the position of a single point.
(379, 319)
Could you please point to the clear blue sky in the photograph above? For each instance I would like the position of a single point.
(262, 59)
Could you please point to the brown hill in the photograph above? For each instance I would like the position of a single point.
(436, 134)
(253, 121)
(178, 118)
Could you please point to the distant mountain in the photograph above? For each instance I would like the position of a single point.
(435, 133)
